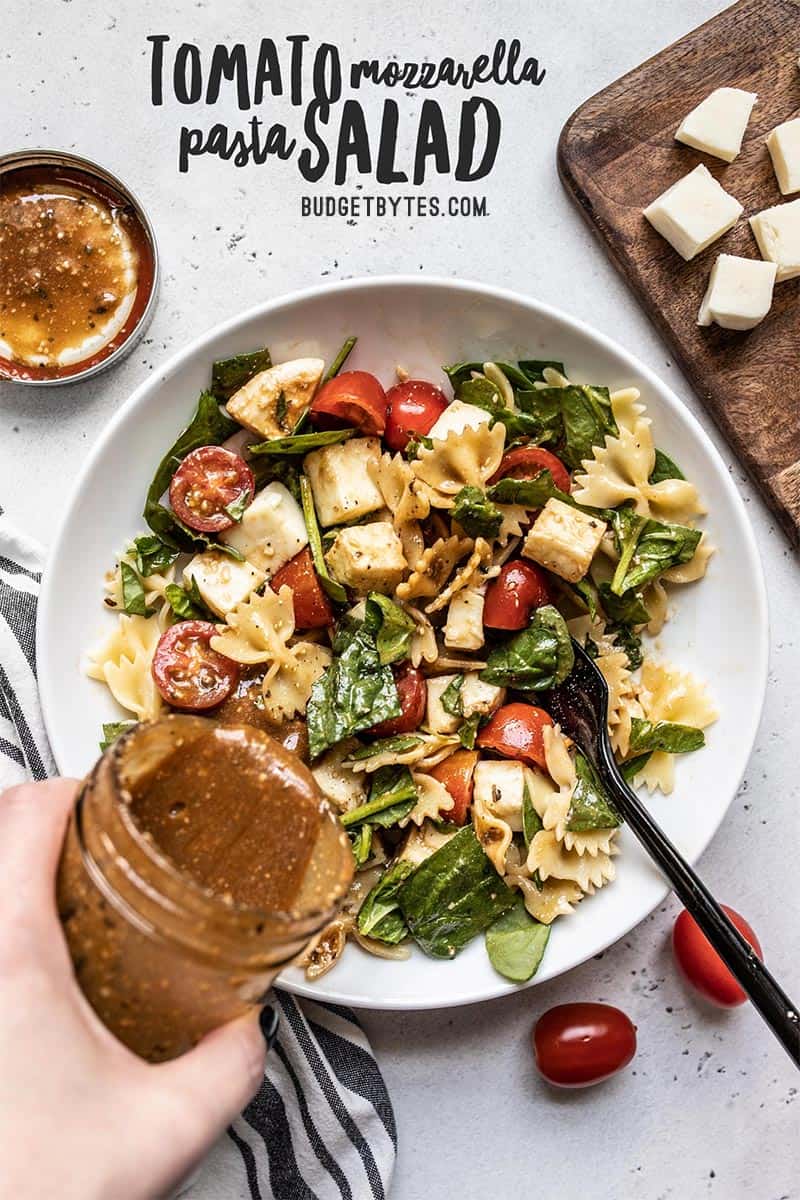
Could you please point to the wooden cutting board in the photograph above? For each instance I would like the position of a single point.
(618, 152)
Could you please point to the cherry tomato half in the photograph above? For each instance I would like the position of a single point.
(412, 409)
(312, 609)
(514, 594)
(412, 692)
(206, 484)
(515, 731)
(702, 966)
(353, 398)
(455, 773)
(579, 1044)
(526, 462)
(187, 672)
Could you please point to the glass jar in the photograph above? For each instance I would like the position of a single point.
(161, 958)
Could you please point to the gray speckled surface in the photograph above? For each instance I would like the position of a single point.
(710, 1107)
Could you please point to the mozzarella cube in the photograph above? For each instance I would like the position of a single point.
(694, 212)
(271, 531)
(464, 626)
(718, 123)
(222, 581)
(739, 293)
(784, 148)
(777, 231)
(343, 486)
(437, 718)
(479, 697)
(500, 787)
(272, 402)
(368, 558)
(457, 417)
(564, 540)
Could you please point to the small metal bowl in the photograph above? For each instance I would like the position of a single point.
(82, 172)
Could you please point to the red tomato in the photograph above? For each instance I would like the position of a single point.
(526, 462)
(702, 966)
(187, 672)
(413, 408)
(579, 1044)
(412, 691)
(455, 773)
(515, 731)
(514, 594)
(206, 484)
(312, 609)
(352, 398)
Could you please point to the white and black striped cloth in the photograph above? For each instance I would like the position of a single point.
(322, 1124)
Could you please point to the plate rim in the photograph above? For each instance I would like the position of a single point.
(478, 290)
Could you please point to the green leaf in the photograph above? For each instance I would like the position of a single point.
(420, 442)
(361, 841)
(485, 394)
(453, 896)
(393, 628)
(531, 821)
(355, 692)
(379, 916)
(239, 506)
(584, 593)
(281, 408)
(280, 470)
(630, 642)
(664, 468)
(133, 598)
(468, 731)
(538, 658)
(630, 769)
(333, 588)
(477, 515)
(515, 943)
(114, 729)
(301, 443)
(153, 557)
(460, 373)
(230, 374)
(531, 493)
(451, 699)
(392, 795)
(590, 807)
(668, 736)
(186, 602)
(628, 609)
(534, 368)
(647, 548)
(398, 744)
(588, 419)
(340, 359)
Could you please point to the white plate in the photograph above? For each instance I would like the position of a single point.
(720, 630)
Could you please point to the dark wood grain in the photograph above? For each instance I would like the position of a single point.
(617, 153)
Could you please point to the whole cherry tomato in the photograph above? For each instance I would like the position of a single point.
(413, 408)
(312, 609)
(579, 1044)
(526, 462)
(702, 966)
(455, 773)
(207, 484)
(187, 672)
(412, 692)
(514, 594)
(516, 731)
(353, 398)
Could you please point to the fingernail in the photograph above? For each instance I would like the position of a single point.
(269, 1021)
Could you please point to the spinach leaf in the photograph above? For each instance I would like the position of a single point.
(648, 548)
(187, 603)
(587, 416)
(664, 735)
(468, 731)
(630, 769)
(340, 359)
(237, 508)
(534, 368)
(393, 628)
(543, 406)
(538, 658)
(152, 556)
(114, 729)
(333, 588)
(133, 598)
(379, 916)
(229, 374)
(451, 699)
(590, 807)
(453, 896)
(531, 821)
(628, 609)
(484, 394)
(415, 444)
(664, 468)
(477, 516)
(355, 692)
(361, 841)
(282, 470)
(301, 443)
(399, 744)
(460, 373)
(532, 493)
(516, 942)
(630, 642)
(392, 795)
(584, 593)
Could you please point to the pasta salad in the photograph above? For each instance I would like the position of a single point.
(388, 581)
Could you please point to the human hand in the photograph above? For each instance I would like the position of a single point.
(83, 1117)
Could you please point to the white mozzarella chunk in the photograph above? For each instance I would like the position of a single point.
(368, 558)
(271, 531)
(564, 540)
(270, 404)
(777, 231)
(222, 581)
(694, 212)
(783, 144)
(464, 626)
(739, 293)
(479, 697)
(718, 123)
(457, 417)
(343, 487)
(437, 719)
(500, 787)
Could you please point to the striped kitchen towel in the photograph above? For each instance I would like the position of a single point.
(322, 1124)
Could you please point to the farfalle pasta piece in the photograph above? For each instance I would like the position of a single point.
(434, 568)
(668, 694)
(123, 662)
(493, 833)
(552, 859)
(154, 585)
(423, 646)
(433, 800)
(544, 901)
(286, 692)
(695, 568)
(481, 556)
(258, 630)
(614, 667)
(467, 458)
(394, 478)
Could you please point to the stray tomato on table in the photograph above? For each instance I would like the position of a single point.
(576, 1045)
